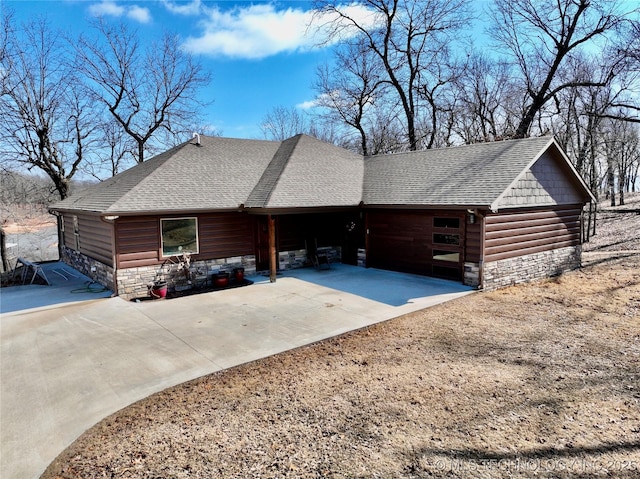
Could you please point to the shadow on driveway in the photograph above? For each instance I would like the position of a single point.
(388, 287)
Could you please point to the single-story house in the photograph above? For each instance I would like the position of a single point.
(488, 215)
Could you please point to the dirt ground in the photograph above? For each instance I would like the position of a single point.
(532, 381)
(617, 228)
(31, 232)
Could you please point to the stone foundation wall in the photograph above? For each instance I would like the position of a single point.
(471, 275)
(299, 258)
(134, 282)
(507, 272)
(292, 259)
(94, 269)
(362, 257)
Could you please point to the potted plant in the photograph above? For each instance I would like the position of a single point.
(158, 289)
(221, 279)
(238, 274)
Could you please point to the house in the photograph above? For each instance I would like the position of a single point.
(488, 215)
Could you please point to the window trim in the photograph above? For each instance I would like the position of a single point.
(162, 249)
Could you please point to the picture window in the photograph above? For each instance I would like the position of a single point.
(179, 236)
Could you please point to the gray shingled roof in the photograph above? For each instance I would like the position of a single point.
(218, 174)
(470, 175)
(307, 172)
(225, 173)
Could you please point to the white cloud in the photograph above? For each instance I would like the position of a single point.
(106, 8)
(259, 31)
(308, 105)
(112, 9)
(191, 8)
(139, 14)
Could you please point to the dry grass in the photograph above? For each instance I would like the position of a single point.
(538, 380)
(618, 229)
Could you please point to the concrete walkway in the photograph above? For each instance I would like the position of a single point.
(66, 367)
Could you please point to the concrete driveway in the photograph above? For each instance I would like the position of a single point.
(66, 367)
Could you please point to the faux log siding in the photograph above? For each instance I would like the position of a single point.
(473, 241)
(220, 235)
(138, 241)
(508, 235)
(225, 235)
(68, 236)
(95, 237)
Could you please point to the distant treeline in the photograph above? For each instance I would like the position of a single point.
(27, 189)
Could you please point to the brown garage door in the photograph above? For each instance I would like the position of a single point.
(430, 244)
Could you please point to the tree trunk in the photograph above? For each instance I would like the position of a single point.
(3, 251)
(140, 158)
(611, 187)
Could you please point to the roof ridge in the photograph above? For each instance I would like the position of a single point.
(466, 145)
(259, 196)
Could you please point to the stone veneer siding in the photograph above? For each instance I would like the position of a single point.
(471, 275)
(507, 272)
(362, 257)
(103, 274)
(299, 258)
(134, 282)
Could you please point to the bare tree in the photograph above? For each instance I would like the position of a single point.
(282, 123)
(487, 103)
(622, 153)
(351, 90)
(626, 106)
(145, 91)
(5, 30)
(116, 153)
(47, 120)
(406, 42)
(542, 36)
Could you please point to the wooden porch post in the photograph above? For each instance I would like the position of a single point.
(272, 249)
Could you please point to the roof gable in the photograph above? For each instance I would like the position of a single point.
(470, 175)
(544, 183)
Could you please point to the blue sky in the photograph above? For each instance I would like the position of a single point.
(260, 54)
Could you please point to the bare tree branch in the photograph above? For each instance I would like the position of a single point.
(47, 119)
(543, 36)
(144, 91)
(403, 40)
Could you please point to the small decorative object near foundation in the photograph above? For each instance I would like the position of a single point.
(238, 274)
(221, 279)
(158, 290)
